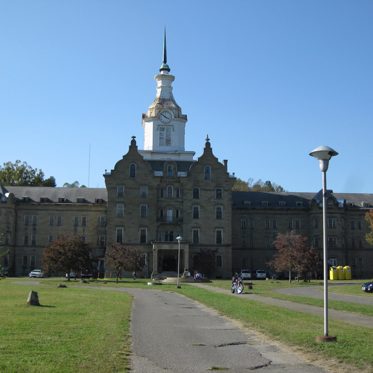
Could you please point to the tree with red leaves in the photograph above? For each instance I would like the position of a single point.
(294, 255)
(123, 258)
(67, 254)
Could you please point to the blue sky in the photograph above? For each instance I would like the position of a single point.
(267, 80)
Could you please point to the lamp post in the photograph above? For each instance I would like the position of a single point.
(178, 238)
(324, 154)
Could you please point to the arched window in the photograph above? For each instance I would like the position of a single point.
(207, 173)
(132, 170)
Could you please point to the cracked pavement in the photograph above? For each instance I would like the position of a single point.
(171, 333)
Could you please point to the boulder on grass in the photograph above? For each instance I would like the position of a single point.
(33, 298)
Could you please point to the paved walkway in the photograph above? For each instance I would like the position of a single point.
(349, 317)
(172, 333)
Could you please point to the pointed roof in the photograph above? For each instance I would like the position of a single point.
(164, 66)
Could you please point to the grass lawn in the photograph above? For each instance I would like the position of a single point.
(81, 329)
(75, 330)
(268, 288)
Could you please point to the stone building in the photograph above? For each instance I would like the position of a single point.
(160, 193)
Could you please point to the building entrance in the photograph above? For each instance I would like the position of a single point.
(168, 262)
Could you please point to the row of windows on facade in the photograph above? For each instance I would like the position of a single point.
(30, 239)
(167, 214)
(58, 220)
(170, 171)
(297, 223)
(333, 242)
(168, 191)
(167, 236)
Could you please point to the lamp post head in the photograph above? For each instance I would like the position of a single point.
(323, 154)
(179, 238)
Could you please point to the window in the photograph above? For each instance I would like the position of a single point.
(76, 221)
(218, 193)
(195, 236)
(219, 236)
(142, 235)
(243, 223)
(24, 261)
(219, 212)
(315, 242)
(51, 221)
(170, 191)
(26, 220)
(207, 173)
(265, 203)
(178, 192)
(102, 221)
(102, 240)
(274, 224)
(132, 170)
(33, 239)
(219, 261)
(120, 191)
(50, 239)
(195, 193)
(25, 239)
(34, 220)
(195, 212)
(119, 234)
(352, 225)
(170, 171)
(332, 223)
(59, 220)
(332, 242)
(359, 225)
(32, 261)
(282, 203)
(164, 136)
(143, 191)
(143, 211)
(119, 210)
(294, 224)
(267, 224)
(84, 221)
(299, 204)
(170, 214)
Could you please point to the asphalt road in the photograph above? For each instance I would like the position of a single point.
(171, 333)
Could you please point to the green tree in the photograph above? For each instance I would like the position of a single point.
(67, 254)
(123, 258)
(21, 174)
(264, 186)
(75, 184)
(240, 185)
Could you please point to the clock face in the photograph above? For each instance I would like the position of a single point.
(165, 116)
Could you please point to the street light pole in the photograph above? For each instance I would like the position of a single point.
(324, 154)
(178, 238)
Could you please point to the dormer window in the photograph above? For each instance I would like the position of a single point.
(207, 172)
(132, 170)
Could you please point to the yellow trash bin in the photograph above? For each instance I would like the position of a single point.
(333, 274)
(340, 273)
(347, 272)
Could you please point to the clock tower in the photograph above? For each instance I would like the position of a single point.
(164, 123)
